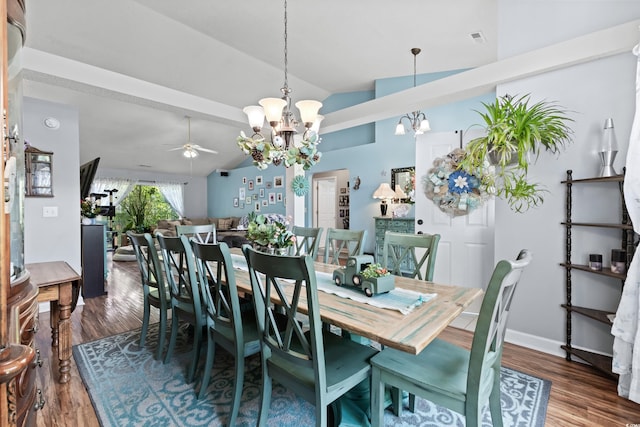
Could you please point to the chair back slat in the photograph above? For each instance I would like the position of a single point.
(218, 286)
(307, 240)
(351, 242)
(488, 339)
(150, 267)
(290, 280)
(180, 272)
(399, 250)
(205, 233)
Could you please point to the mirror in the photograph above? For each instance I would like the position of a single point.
(405, 178)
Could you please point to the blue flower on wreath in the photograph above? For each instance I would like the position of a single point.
(300, 185)
(462, 182)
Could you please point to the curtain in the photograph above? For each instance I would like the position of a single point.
(626, 343)
(173, 193)
(122, 185)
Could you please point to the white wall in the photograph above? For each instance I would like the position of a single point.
(56, 238)
(592, 92)
(195, 190)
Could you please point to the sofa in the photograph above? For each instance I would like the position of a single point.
(229, 226)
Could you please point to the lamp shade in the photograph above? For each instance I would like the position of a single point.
(399, 129)
(384, 191)
(308, 111)
(190, 153)
(316, 125)
(273, 108)
(425, 126)
(255, 114)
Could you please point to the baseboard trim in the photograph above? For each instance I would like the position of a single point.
(544, 345)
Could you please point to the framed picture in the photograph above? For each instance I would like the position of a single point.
(262, 193)
(236, 202)
(259, 180)
(247, 201)
(343, 191)
(256, 207)
(272, 198)
(241, 193)
(341, 213)
(269, 184)
(255, 196)
(278, 197)
(265, 202)
(244, 180)
(250, 185)
(241, 205)
(278, 181)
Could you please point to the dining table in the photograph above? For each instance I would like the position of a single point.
(408, 330)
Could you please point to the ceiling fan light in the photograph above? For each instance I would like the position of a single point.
(190, 153)
(308, 111)
(255, 113)
(273, 108)
(399, 129)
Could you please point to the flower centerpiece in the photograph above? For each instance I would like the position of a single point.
(89, 208)
(269, 236)
(373, 271)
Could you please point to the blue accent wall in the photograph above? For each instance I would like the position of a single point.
(368, 152)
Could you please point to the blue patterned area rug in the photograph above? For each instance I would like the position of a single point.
(128, 387)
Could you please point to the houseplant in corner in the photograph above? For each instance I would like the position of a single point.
(517, 131)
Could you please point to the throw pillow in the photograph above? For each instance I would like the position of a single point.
(224, 223)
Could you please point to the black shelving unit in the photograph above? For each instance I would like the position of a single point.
(598, 361)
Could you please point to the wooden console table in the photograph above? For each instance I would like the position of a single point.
(55, 282)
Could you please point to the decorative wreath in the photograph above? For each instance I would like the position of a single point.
(455, 191)
(300, 185)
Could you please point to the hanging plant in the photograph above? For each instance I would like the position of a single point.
(454, 191)
(516, 133)
(300, 185)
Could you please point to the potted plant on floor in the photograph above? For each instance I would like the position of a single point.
(517, 131)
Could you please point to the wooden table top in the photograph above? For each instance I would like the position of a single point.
(51, 273)
(410, 333)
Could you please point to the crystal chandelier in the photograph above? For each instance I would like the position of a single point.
(417, 120)
(280, 149)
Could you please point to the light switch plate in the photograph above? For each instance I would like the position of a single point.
(49, 211)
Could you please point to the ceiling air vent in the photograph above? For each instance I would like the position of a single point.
(478, 37)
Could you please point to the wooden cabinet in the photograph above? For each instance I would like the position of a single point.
(93, 260)
(621, 225)
(398, 225)
(39, 172)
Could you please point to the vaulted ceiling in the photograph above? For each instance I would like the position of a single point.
(136, 68)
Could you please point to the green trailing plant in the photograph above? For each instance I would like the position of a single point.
(374, 270)
(517, 131)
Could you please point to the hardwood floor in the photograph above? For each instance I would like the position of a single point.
(579, 395)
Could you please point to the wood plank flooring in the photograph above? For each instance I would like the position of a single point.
(580, 396)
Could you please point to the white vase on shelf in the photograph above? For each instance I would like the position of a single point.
(88, 221)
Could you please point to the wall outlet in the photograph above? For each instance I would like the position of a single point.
(49, 211)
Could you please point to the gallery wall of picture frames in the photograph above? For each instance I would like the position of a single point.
(256, 193)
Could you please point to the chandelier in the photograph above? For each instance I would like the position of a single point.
(417, 120)
(280, 148)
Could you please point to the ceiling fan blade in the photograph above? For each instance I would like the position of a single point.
(177, 148)
(206, 150)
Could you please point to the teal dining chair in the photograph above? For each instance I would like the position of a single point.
(447, 375)
(307, 240)
(343, 242)
(317, 365)
(154, 289)
(400, 257)
(227, 326)
(205, 233)
(186, 299)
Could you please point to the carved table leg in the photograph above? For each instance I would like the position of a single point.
(54, 319)
(64, 324)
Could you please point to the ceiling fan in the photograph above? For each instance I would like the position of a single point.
(192, 150)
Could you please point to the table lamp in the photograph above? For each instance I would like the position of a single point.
(384, 192)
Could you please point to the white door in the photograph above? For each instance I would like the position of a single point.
(466, 249)
(324, 202)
